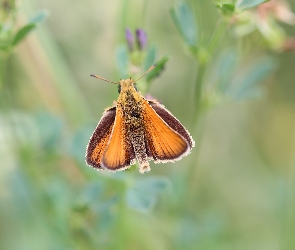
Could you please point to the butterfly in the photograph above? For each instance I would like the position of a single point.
(136, 129)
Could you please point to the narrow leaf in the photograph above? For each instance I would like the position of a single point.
(225, 68)
(150, 58)
(247, 4)
(40, 17)
(23, 32)
(185, 22)
(226, 8)
(122, 61)
(160, 66)
(249, 82)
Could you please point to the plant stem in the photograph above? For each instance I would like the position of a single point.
(289, 217)
(3, 85)
(217, 34)
(198, 91)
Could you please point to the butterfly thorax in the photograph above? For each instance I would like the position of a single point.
(129, 104)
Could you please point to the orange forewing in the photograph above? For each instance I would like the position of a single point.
(119, 153)
(100, 138)
(164, 143)
(171, 121)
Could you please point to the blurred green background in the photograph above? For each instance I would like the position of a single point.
(230, 80)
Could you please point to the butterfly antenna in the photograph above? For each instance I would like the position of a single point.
(99, 77)
(148, 71)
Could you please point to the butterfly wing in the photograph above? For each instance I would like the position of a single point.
(172, 121)
(100, 138)
(166, 139)
(119, 154)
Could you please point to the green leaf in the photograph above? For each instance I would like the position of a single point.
(49, 128)
(139, 201)
(150, 58)
(142, 196)
(122, 61)
(90, 196)
(62, 200)
(225, 68)
(25, 129)
(23, 32)
(160, 65)
(185, 22)
(247, 4)
(4, 46)
(22, 191)
(40, 17)
(154, 185)
(226, 8)
(79, 142)
(248, 83)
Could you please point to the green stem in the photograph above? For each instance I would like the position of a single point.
(3, 59)
(144, 11)
(198, 96)
(4, 91)
(123, 19)
(214, 41)
(289, 217)
(216, 36)
(61, 79)
(198, 91)
(6, 104)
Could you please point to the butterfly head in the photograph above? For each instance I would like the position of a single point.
(127, 85)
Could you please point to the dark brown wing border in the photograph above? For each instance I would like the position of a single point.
(102, 132)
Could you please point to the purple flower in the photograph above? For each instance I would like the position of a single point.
(129, 39)
(141, 38)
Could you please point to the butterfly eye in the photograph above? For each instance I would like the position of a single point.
(135, 87)
(119, 88)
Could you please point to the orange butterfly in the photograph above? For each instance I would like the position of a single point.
(136, 129)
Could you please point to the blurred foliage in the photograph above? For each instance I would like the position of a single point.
(224, 69)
